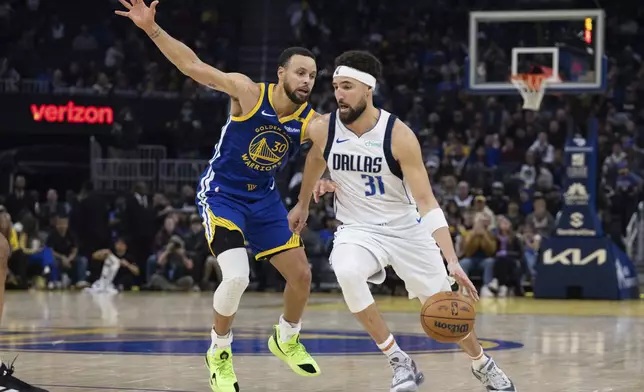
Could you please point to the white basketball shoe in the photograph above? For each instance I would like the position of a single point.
(493, 378)
(406, 376)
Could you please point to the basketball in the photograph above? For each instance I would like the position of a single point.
(448, 317)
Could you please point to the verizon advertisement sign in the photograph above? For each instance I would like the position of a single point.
(72, 113)
(60, 114)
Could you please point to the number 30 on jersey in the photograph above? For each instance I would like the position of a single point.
(374, 185)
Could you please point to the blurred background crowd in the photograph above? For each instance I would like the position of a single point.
(496, 169)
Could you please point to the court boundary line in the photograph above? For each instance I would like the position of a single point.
(110, 388)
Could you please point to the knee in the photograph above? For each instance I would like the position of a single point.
(300, 278)
(238, 281)
(229, 292)
(347, 276)
(355, 289)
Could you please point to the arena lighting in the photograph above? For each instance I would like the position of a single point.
(72, 113)
(588, 30)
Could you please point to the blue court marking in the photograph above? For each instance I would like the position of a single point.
(194, 342)
(109, 388)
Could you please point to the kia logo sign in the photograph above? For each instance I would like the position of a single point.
(72, 114)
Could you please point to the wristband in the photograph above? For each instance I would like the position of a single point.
(434, 220)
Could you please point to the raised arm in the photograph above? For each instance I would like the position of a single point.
(406, 150)
(236, 85)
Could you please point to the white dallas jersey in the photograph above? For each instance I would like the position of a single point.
(372, 189)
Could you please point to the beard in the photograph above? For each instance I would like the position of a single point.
(353, 114)
(290, 93)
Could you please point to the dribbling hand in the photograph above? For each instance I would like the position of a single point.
(456, 272)
(323, 186)
(139, 13)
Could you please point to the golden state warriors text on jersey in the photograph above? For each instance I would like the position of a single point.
(267, 150)
(253, 147)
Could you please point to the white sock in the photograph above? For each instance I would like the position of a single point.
(479, 361)
(220, 342)
(288, 330)
(390, 348)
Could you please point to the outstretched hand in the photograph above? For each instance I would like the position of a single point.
(139, 13)
(456, 272)
(323, 186)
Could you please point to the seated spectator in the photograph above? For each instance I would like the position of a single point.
(531, 243)
(508, 260)
(40, 256)
(479, 248)
(161, 241)
(65, 248)
(174, 268)
(49, 210)
(211, 266)
(543, 149)
(17, 274)
(498, 202)
(463, 198)
(513, 213)
(480, 206)
(452, 211)
(541, 220)
(117, 272)
(197, 249)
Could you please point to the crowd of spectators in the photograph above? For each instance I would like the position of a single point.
(496, 169)
(82, 47)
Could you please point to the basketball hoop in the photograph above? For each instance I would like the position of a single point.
(532, 88)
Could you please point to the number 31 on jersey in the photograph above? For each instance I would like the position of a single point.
(374, 185)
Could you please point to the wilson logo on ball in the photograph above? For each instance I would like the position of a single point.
(453, 328)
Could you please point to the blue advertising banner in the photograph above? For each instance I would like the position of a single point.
(579, 261)
(579, 215)
(593, 268)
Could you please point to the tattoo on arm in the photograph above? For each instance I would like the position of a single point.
(156, 33)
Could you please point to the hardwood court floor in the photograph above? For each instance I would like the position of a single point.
(155, 342)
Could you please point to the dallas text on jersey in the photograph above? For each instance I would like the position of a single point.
(357, 163)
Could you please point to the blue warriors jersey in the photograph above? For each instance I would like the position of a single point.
(252, 148)
(237, 190)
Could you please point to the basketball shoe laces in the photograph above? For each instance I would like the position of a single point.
(402, 370)
(8, 368)
(224, 367)
(294, 349)
(497, 378)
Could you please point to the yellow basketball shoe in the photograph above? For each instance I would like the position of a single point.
(222, 375)
(293, 353)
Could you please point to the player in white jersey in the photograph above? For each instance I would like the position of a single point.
(389, 214)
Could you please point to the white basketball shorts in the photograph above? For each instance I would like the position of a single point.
(410, 250)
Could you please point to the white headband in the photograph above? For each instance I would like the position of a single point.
(349, 72)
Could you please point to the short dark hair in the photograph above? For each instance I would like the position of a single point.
(362, 61)
(286, 55)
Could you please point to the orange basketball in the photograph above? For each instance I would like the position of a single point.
(448, 317)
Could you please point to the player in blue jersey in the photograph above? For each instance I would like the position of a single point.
(237, 198)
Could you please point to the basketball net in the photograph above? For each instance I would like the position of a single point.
(532, 88)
